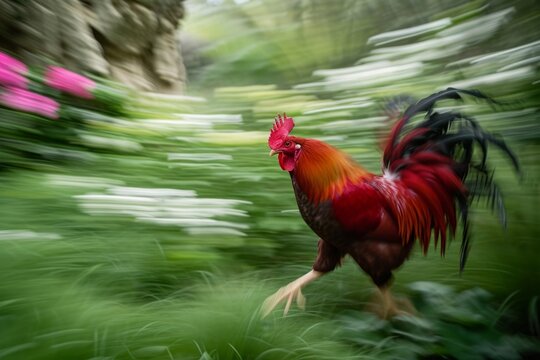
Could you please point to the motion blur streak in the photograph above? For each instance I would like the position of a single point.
(146, 220)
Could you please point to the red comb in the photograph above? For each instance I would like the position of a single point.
(282, 127)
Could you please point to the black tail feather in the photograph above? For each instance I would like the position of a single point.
(466, 234)
(453, 135)
(483, 186)
(426, 104)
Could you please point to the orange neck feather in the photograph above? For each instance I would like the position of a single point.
(323, 172)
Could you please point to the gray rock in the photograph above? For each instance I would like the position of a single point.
(131, 41)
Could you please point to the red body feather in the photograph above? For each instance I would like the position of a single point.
(419, 199)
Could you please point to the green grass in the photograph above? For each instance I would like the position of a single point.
(47, 313)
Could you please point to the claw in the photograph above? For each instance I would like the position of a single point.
(301, 300)
(288, 293)
(288, 306)
(285, 294)
(387, 306)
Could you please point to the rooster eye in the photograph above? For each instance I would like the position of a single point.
(288, 143)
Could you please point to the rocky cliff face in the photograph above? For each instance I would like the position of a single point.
(132, 41)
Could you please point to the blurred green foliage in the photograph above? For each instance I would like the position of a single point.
(27, 139)
(283, 42)
(147, 226)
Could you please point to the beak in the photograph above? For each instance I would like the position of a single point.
(273, 152)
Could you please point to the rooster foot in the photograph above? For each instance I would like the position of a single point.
(387, 306)
(288, 293)
(405, 306)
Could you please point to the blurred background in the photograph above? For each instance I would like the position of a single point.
(143, 219)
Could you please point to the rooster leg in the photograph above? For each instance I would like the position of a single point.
(289, 292)
(390, 306)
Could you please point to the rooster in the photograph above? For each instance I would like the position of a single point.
(429, 179)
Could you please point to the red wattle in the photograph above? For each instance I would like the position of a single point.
(286, 161)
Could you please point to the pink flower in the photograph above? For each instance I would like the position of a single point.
(12, 64)
(12, 71)
(69, 82)
(11, 78)
(25, 100)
